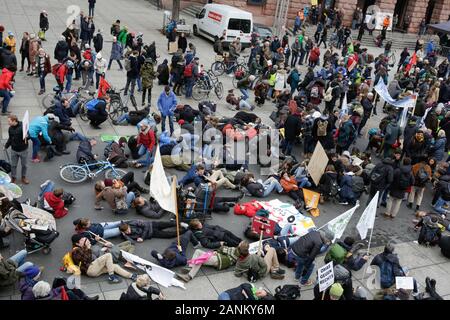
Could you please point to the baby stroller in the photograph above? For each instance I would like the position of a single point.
(36, 225)
(195, 204)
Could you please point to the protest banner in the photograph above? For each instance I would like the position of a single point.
(325, 276)
(318, 163)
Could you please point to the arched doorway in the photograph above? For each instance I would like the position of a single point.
(400, 12)
(429, 12)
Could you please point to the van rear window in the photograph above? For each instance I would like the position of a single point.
(240, 25)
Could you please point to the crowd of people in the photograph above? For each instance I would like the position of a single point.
(402, 160)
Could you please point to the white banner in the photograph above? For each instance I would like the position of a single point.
(325, 276)
(25, 124)
(367, 219)
(344, 107)
(160, 188)
(339, 224)
(382, 90)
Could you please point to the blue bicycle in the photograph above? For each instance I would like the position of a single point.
(78, 173)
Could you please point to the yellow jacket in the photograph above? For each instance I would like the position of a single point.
(12, 43)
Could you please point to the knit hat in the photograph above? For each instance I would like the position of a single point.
(336, 291)
(32, 272)
(108, 182)
(346, 153)
(326, 234)
(77, 237)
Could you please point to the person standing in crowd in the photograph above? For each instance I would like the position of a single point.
(44, 67)
(116, 54)
(43, 24)
(167, 102)
(91, 7)
(19, 148)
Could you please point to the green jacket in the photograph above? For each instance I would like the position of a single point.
(122, 37)
(8, 274)
(147, 74)
(227, 257)
(252, 261)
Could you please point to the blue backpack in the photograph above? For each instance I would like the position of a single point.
(90, 106)
(387, 274)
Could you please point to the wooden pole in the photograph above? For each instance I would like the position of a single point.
(323, 294)
(174, 191)
(260, 242)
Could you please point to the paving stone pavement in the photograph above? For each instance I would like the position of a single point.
(141, 16)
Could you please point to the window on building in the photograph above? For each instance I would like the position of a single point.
(240, 24)
(256, 2)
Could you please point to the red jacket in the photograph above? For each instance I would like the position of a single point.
(147, 139)
(248, 209)
(5, 79)
(61, 73)
(57, 204)
(315, 54)
(103, 87)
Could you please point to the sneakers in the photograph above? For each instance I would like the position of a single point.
(114, 279)
(343, 203)
(36, 160)
(280, 271)
(409, 205)
(307, 283)
(276, 275)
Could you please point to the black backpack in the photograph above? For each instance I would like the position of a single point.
(287, 292)
(421, 177)
(377, 175)
(404, 181)
(428, 235)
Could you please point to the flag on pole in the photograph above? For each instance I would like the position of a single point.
(160, 189)
(412, 62)
(367, 219)
(25, 124)
(344, 107)
(339, 224)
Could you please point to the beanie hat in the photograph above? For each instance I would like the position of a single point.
(336, 290)
(326, 234)
(32, 272)
(108, 182)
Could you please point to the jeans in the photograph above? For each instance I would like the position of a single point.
(149, 158)
(139, 84)
(133, 85)
(111, 229)
(118, 61)
(76, 136)
(192, 139)
(287, 150)
(36, 147)
(304, 182)
(69, 82)
(124, 117)
(42, 81)
(91, 10)
(48, 186)
(301, 272)
(294, 59)
(244, 105)
(15, 156)
(245, 94)
(6, 99)
(224, 296)
(439, 206)
(130, 198)
(270, 185)
(19, 259)
(189, 85)
(163, 123)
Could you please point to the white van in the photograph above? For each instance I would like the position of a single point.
(218, 19)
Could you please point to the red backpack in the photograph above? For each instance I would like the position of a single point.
(87, 55)
(188, 70)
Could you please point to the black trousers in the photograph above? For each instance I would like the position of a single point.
(231, 240)
(128, 181)
(97, 119)
(159, 229)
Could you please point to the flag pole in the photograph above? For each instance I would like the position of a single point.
(174, 191)
(368, 251)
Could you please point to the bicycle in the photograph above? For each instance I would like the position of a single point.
(238, 77)
(203, 87)
(50, 98)
(218, 68)
(78, 173)
(119, 106)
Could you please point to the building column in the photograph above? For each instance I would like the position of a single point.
(441, 11)
(348, 7)
(417, 10)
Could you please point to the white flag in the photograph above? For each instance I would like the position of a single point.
(339, 224)
(160, 188)
(344, 107)
(25, 124)
(367, 219)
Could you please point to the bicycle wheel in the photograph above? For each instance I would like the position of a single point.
(200, 91)
(114, 173)
(218, 89)
(83, 112)
(115, 110)
(218, 68)
(48, 100)
(73, 173)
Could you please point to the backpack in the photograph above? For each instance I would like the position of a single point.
(108, 150)
(386, 274)
(421, 177)
(337, 254)
(352, 133)
(188, 70)
(90, 106)
(127, 63)
(87, 55)
(358, 184)
(428, 235)
(334, 188)
(287, 292)
(377, 175)
(203, 195)
(55, 69)
(404, 181)
(5, 166)
(322, 128)
(68, 198)
(314, 92)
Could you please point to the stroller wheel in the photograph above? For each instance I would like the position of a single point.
(46, 250)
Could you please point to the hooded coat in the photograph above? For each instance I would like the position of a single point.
(148, 74)
(404, 172)
(57, 204)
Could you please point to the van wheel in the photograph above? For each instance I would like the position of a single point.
(195, 30)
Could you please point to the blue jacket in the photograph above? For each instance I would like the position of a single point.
(39, 125)
(167, 103)
(192, 176)
(346, 188)
(180, 257)
(62, 114)
(165, 139)
(438, 149)
(189, 57)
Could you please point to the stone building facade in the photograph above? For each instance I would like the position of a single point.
(434, 10)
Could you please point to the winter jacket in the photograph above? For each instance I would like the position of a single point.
(15, 138)
(85, 152)
(210, 236)
(26, 289)
(393, 132)
(308, 247)
(139, 229)
(135, 293)
(5, 80)
(43, 22)
(292, 127)
(180, 259)
(416, 149)
(150, 210)
(57, 204)
(148, 74)
(444, 244)
(147, 139)
(8, 274)
(167, 104)
(400, 174)
(62, 113)
(110, 195)
(122, 37)
(393, 259)
(415, 170)
(437, 151)
(346, 130)
(100, 66)
(256, 189)
(295, 79)
(46, 68)
(116, 51)
(236, 293)
(9, 60)
(61, 50)
(248, 209)
(39, 125)
(252, 261)
(134, 71)
(289, 185)
(98, 42)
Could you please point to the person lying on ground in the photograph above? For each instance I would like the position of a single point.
(141, 290)
(245, 291)
(105, 230)
(213, 237)
(139, 230)
(13, 267)
(149, 209)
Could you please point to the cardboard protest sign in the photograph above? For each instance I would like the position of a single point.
(325, 275)
(263, 224)
(312, 201)
(318, 163)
